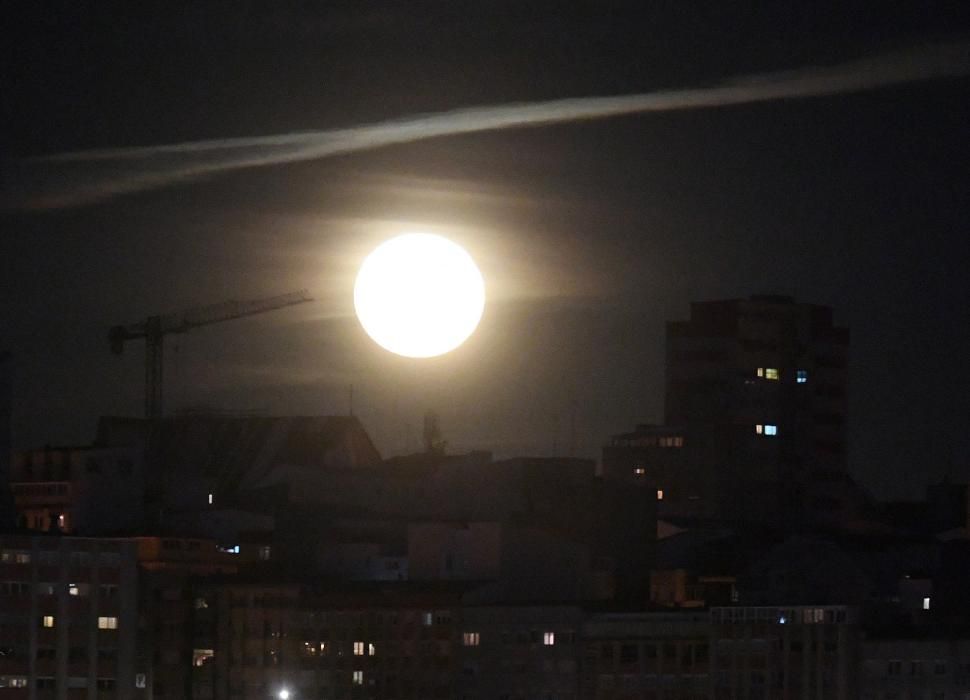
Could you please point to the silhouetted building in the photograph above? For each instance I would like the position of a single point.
(82, 490)
(755, 407)
(948, 507)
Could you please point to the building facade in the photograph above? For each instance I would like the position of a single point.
(785, 653)
(69, 619)
(755, 411)
(660, 656)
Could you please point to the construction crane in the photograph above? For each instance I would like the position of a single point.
(154, 329)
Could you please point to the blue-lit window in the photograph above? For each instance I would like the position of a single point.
(801, 376)
(771, 430)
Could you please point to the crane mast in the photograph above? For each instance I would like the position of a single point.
(154, 329)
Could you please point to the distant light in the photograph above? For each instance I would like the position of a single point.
(284, 694)
(660, 494)
(210, 499)
(801, 376)
(781, 620)
(926, 603)
(771, 430)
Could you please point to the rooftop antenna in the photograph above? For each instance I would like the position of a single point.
(555, 434)
(572, 427)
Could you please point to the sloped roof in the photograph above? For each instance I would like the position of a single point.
(242, 450)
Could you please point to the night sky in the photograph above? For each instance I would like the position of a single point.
(590, 235)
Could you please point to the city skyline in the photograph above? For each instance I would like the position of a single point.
(596, 232)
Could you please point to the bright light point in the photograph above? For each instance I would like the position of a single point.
(419, 295)
(284, 694)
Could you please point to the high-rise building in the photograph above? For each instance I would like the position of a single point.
(756, 392)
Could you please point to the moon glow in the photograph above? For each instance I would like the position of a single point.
(419, 295)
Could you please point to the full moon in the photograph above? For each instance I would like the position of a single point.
(419, 295)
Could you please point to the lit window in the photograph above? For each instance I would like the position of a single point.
(926, 603)
(371, 650)
(761, 371)
(62, 521)
(358, 678)
(470, 639)
(265, 552)
(234, 549)
(47, 621)
(139, 680)
(771, 373)
(22, 558)
(201, 603)
(18, 682)
(801, 376)
(639, 471)
(210, 499)
(771, 430)
(759, 429)
(73, 589)
(549, 638)
(660, 494)
(427, 619)
(107, 623)
(358, 648)
(200, 657)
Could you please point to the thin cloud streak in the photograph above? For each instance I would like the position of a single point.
(105, 173)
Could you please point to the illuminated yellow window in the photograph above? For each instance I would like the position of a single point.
(660, 494)
(549, 638)
(358, 648)
(761, 371)
(470, 639)
(107, 623)
(771, 373)
(47, 621)
(358, 678)
(759, 428)
(371, 650)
